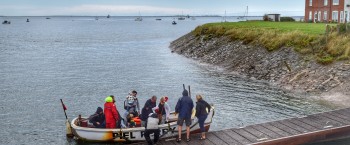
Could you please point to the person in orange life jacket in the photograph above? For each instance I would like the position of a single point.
(130, 121)
(164, 110)
(98, 119)
(111, 112)
(184, 107)
(147, 109)
(152, 127)
(202, 114)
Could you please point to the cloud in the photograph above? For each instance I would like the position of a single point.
(117, 10)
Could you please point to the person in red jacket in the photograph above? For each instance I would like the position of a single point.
(111, 112)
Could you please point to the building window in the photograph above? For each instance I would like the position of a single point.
(341, 16)
(319, 16)
(325, 2)
(325, 15)
(310, 15)
(346, 16)
(335, 16)
(335, 2)
(310, 2)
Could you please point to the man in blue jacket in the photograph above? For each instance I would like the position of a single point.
(184, 108)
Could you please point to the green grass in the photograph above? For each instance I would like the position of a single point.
(307, 28)
(306, 38)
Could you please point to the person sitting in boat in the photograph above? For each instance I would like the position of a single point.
(147, 109)
(98, 119)
(164, 110)
(131, 104)
(152, 127)
(111, 113)
(130, 120)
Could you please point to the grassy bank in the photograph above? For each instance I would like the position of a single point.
(315, 40)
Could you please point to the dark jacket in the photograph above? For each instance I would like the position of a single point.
(147, 109)
(201, 108)
(97, 117)
(184, 106)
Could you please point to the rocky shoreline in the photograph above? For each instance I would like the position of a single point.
(283, 67)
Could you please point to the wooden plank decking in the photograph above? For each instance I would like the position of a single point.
(309, 129)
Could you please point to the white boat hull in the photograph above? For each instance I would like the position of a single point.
(136, 134)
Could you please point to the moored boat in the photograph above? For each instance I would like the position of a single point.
(6, 22)
(136, 134)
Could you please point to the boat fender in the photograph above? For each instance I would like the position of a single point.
(69, 132)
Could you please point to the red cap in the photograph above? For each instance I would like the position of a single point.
(166, 98)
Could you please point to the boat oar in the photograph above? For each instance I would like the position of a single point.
(69, 132)
(189, 90)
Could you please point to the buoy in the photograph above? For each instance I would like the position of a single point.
(68, 129)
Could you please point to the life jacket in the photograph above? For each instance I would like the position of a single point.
(137, 121)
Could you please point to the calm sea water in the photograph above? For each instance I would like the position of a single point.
(82, 60)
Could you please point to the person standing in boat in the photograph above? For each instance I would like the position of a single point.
(184, 108)
(202, 109)
(111, 113)
(132, 104)
(98, 119)
(152, 127)
(147, 109)
(164, 110)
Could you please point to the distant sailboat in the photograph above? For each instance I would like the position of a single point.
(108, 16)
(181, 17)
(139, 18)
(27, 20)
(245, 15)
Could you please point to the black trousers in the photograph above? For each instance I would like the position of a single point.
(148, 132)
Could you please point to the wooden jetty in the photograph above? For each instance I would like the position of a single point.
(314, 128)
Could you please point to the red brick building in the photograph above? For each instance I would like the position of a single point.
(327, 10)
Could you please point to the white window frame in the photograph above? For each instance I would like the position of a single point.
(341, 16)
(335, 16)
(346, 14)
(335, 2)
(319, 18)
(325, 2)
(310, 2)
(310, 15)
(325, 15)
(315, 17)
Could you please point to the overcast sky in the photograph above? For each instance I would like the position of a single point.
(149, 7)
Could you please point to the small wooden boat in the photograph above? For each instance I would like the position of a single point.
(136, 134)
(174, 23)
